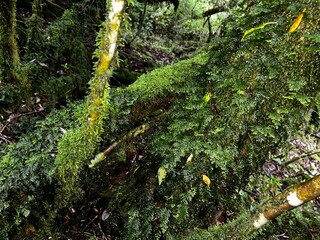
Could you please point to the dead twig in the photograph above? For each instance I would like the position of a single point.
(89, 223)
(5, 139)
(3, 127)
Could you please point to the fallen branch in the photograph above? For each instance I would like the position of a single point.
(287, 200)
(4, 127)
(246, 225)
(115, 145)
(4, 138)
(131, 134)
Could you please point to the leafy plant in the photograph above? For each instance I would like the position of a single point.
(27, 173)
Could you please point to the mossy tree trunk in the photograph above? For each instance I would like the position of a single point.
(9, 57)
(78, 145)
(14, 85)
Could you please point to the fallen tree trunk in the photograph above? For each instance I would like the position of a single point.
(152, 93)
(159, 88)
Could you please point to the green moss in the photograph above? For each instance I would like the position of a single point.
(163, 81)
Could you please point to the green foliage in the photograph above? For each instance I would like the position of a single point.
(270, 87)
(229, 108)
(28, 175)
(189, 23)
(8, 95)
(261, 91)
(156, 19)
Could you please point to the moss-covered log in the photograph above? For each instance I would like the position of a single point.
(13, 84)
(158, 89)
(226, 116)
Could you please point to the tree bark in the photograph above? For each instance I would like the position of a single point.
(99, 83)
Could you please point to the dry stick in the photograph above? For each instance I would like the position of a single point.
(131, 134)
(103, 234)
(300, 157)
(4, 127)
(5, 139)
(91, 221)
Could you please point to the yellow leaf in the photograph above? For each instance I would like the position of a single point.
(256, 28)
(189, 158)
(207, 97)
(199, 229)
(162, 172)
(297, 22)
(241, 92)
(206, 180)
(217, 130)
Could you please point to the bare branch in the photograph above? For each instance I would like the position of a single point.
(131, 134)
(300, 157)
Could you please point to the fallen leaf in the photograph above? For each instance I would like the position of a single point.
(189, 158)
(162, 172)
(207, 97)
(105, 215)
(297, 22)
(206, 180)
